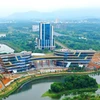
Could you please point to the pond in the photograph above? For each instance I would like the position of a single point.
(35, 89)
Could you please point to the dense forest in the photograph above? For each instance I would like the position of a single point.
(79, 35)
(19, 35)
(74, 82)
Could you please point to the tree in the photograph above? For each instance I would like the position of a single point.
(56, 87)
(74, 82)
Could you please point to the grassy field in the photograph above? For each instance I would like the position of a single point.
(68, 92)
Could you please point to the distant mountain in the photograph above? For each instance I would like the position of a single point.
(60, 14)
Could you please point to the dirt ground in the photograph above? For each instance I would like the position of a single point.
(0, 86)
(95, 62)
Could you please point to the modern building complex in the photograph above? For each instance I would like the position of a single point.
(16, 62)
(74, 57)
(45, 36)
(24, 61)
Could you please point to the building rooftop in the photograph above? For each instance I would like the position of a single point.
(69, 50)
(14, 54)
(38, 54)
(5, 49)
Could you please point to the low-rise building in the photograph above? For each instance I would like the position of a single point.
(74, 57)
(16, 62)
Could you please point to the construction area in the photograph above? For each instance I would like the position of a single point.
(95, 62)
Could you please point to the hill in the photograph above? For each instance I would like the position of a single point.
(60, 14)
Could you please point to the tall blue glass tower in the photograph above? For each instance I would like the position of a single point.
(46, 36)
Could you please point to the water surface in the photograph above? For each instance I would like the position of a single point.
(35, 89)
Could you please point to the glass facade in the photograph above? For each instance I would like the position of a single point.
(46, 36)
(17, 62)
(76, 57)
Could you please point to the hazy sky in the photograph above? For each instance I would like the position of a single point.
(10, 6)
